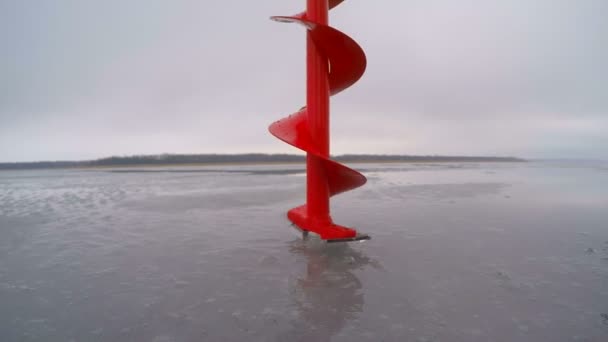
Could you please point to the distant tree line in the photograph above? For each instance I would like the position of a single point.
(248, 158)
(405, 158)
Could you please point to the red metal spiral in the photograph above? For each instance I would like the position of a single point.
(334, 63)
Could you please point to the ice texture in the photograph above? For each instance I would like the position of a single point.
(459, 252)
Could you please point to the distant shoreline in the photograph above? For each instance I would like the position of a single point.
(166, 160)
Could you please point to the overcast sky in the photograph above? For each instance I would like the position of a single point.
(87, 79)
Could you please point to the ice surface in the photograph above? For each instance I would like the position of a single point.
(459, 252)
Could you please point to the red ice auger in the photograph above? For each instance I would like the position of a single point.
(334, 62)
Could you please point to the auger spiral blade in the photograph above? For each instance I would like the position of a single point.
(334, 62)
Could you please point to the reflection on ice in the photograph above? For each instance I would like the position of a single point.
(329, 293)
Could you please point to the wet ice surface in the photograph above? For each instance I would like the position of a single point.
(459, 252)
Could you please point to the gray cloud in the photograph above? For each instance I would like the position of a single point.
(97, 78)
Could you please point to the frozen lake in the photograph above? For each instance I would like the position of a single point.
(459, 252)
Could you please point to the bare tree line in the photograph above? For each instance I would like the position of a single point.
(247, 158)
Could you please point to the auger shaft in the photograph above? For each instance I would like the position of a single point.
(317, 103)
(334, 61)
